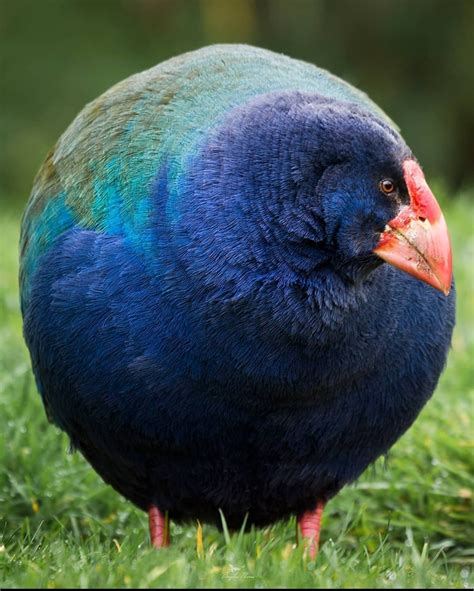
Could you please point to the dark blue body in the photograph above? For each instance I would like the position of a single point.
(256, 358)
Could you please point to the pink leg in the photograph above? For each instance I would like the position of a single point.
(310, 525)
(159, 528)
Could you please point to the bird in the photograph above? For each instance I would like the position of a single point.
(236, 288)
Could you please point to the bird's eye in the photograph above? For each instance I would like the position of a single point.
(387, 186)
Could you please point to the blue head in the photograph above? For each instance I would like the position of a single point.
(292, 183)
(287, 205)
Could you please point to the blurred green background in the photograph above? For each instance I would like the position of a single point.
(413, 57)
(407, 525)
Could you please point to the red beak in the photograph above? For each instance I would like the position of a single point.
(417, 239)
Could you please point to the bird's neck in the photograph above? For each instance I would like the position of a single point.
(326, 307)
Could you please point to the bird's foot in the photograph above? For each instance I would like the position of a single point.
(159, 527)
(310, 526)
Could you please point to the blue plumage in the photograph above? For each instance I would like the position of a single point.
(231, 341)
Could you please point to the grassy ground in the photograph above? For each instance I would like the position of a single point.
(407, 522)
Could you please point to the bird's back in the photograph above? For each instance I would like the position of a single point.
(100, 173)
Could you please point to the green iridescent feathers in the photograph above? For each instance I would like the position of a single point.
(99, 174)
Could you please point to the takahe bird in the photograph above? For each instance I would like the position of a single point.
(205, 289)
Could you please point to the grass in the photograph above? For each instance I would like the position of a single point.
(407, 522)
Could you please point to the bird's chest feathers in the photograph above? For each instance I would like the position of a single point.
(289, 337)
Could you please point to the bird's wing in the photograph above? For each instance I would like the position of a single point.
(100, 173)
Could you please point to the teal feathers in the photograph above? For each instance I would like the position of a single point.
(98, 175)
